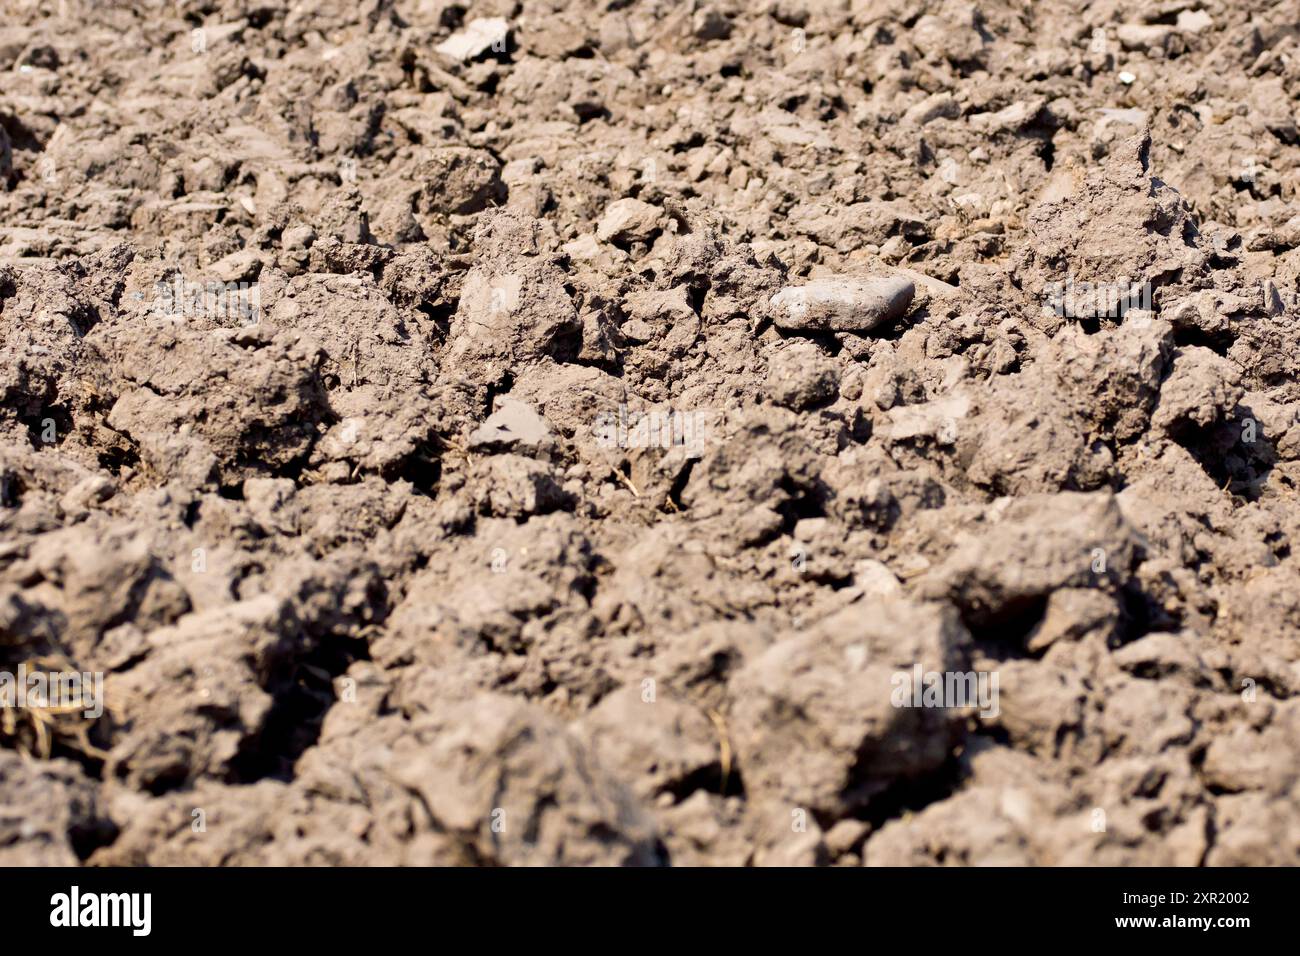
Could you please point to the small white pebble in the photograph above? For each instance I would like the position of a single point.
(1127, 78)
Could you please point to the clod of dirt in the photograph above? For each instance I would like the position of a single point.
(629, 220)
(814, 725)
(1068, 540)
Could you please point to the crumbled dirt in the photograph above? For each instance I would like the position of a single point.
(630, 394)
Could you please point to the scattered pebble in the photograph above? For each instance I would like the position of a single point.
(842, 303)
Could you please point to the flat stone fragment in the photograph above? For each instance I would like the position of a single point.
(842, 303)
(475, 39)
(513, 423)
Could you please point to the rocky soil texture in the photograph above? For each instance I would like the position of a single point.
(544, 432)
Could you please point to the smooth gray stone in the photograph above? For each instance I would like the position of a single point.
(842, 303)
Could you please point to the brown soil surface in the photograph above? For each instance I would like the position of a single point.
(594, 413)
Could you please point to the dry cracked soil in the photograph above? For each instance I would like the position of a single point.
(728, 432)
